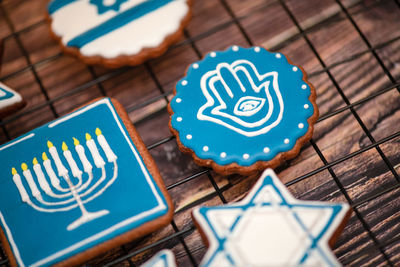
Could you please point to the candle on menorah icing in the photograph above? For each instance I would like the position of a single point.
(55, 182)
(87, 167)
(62, 171)
(28, 176)
(111, 157)
(76, 172)
(98, 160)
(40, 176)
(20, 186)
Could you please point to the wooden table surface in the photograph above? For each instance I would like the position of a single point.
(352, 56)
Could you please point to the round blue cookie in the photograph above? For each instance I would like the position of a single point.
(243, 110)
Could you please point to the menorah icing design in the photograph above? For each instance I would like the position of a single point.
(76, 194)
(269, 227)
(242, 106)
(79, 181)
(241, 99)
(102, 26)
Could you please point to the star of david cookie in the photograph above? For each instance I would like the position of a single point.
(164, 258)
(243, 110)
(117, 32)
(84, 184)
(269, 227)
(10, 101)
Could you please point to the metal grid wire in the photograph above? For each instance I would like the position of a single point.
(178, 234)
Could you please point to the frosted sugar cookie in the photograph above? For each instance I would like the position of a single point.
(85, 183)
(117, 32)
(269, 227)
(242, 110)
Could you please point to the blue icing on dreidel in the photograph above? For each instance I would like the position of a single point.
(242, 106)
(269, 227)
(241, 99)
(164, 258)
(116, 22)
(74, 180)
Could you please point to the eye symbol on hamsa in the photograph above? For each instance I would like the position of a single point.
(241, 99)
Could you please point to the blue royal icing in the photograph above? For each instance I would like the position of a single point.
(241, 105)
(270, 228)
(79, 192)
(116, 22)
(5, 94)
(105, 24)
(8, 97)
(164, 258)
(102, 7)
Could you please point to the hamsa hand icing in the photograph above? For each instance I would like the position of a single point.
(241, 99)
(243, 106)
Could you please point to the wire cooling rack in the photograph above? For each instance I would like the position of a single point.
(353, 156)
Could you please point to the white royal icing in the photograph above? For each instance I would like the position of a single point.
(148, 31)
(5, 102)
(45, 193)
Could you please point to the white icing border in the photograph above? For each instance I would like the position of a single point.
(16, 98)
(69, 249)
(216, 107)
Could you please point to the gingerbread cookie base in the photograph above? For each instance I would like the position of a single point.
(269, 227)
(96, 188)
(164, 258)
(243, 110)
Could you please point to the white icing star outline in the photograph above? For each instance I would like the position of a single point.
(102, 7)
(269, 227)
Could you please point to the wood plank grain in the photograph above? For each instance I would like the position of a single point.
(266, 24)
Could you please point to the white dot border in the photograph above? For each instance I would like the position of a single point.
(265, 150)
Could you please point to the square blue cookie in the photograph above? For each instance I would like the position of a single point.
(78, 186)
